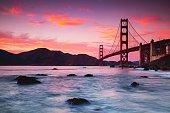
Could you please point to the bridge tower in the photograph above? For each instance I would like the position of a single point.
(100, 55)
(124, 42)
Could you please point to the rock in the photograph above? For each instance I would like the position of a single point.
(164, 68)
(156, 69)
(134, 84)
(112, 65)
(144, 76)
(54, 69)
(70, 75)
(97, 109)
(22, 77)
(146, 69)
(88, 75)
(24, 80)
(41, 75)
(131, 66)
(77, 101)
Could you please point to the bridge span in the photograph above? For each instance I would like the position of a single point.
(147, 52)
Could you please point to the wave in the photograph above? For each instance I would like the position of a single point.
(165, 75)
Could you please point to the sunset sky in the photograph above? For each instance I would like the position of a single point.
(78, 26)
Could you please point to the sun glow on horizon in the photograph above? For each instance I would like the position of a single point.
(76, 26)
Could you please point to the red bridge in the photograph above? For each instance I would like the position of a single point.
(148, 51)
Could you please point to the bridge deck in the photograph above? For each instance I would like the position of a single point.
(132, 49)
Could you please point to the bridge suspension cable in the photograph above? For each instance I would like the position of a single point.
(116, 47)
(133, 37)
(137, 33)
(114, 39)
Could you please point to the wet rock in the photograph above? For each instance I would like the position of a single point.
(71, 75)
(112, 65)
(144, 76)
(22, 77)
(164, 68)
(146, 69)
(24, 80)
(88, 75)
(41, 75)
(131, 66)
(97, 109)
(54, 69)
(134, 84)
(77, 101)
(156, 69)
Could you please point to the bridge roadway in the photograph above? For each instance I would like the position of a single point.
(136, 48)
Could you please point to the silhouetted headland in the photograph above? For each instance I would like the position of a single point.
(45, 57)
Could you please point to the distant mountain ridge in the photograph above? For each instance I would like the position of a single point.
(45, 57)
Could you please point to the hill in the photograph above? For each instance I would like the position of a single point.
(45, 57)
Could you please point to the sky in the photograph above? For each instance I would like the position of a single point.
(79, 26)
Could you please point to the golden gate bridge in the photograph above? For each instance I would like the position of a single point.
(147, 51)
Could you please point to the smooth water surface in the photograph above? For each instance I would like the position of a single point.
(109, 91)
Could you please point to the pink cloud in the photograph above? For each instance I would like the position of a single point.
(164, 34)
(13, 10)
(106, 32)
(64, 20)
(24, 43)
(146, 20)
(36, 23)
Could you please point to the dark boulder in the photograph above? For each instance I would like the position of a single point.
(144, 76)
(156, 69)
(88, 75)
(146, 69)
(131, 66)
(22, 77)
(97, 109)
(77, 101)
(134, 84)
(112, 65)
(54, 69)
(41, 75)
(71, 75)
(24, 80)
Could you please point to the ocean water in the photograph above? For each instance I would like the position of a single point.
(109, 91)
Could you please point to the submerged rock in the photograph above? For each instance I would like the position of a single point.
(97, 109)
(88, 75)
(131, 66)
(54, 69)
(70, 75)
(22, 77)
(156, 69)
(144, 76)
(24, 80)
(112, 65)
(146, 69)
(134, 84)
(77, 101)
(41, 75)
